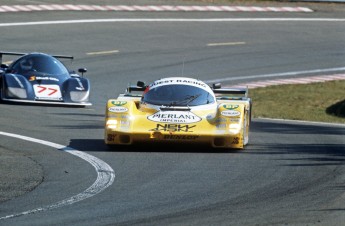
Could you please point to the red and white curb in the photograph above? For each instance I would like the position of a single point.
(304, 80)
(148, 8)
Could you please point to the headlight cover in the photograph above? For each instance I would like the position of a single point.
(16, 93)
(111, 124)
(79, 96)
(234, 128)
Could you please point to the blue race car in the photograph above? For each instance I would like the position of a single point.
(42, 79)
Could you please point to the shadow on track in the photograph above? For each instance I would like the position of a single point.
(305, 149)
(282, 127)
(304, 154)
(318, 151)
(98, 145)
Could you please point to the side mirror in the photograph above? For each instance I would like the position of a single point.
(141, 84)
(82, 71)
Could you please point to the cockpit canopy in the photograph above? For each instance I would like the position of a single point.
(39, 64)
(178, 91)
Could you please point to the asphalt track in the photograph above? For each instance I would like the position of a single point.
(291, 173)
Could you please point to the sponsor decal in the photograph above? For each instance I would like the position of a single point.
(180, 81)
(180, 137)
(236, 140)
(33, 78)
(118, 103)
(182, 117)
(125, 124)
(230, 113)
(117, 109)
(47, 92)
(230, 106)
(173, 128)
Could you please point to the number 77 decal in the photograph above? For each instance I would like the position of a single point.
(47, 91)
(42, 89)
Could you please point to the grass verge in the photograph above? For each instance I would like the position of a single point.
(322, 102)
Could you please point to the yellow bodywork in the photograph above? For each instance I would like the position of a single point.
(226, 125)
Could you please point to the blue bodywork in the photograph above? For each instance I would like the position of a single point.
(43, 79)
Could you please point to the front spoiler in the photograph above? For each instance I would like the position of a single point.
(216, 141)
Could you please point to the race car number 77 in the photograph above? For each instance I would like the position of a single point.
(47, 91)
(45, 88)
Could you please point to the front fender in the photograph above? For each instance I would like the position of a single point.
(118, 108)
(76, 89)
(17, 86)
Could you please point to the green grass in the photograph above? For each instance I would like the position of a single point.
(322, 102)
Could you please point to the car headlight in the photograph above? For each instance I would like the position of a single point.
(111, 124)
(234, 128)
(79, 96)
(16, 92)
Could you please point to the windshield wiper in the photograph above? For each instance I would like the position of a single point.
(188, 99)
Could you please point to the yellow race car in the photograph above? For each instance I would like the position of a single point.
(179, 110)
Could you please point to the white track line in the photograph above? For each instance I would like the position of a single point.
(105, 176)
(172, 20)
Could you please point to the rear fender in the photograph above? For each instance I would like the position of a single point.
(232, 116)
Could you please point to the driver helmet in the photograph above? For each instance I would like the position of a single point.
(26, 64)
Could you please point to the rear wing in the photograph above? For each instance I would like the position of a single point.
(22, 54)
(131, 89)
(231, 93)
(135, 90)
